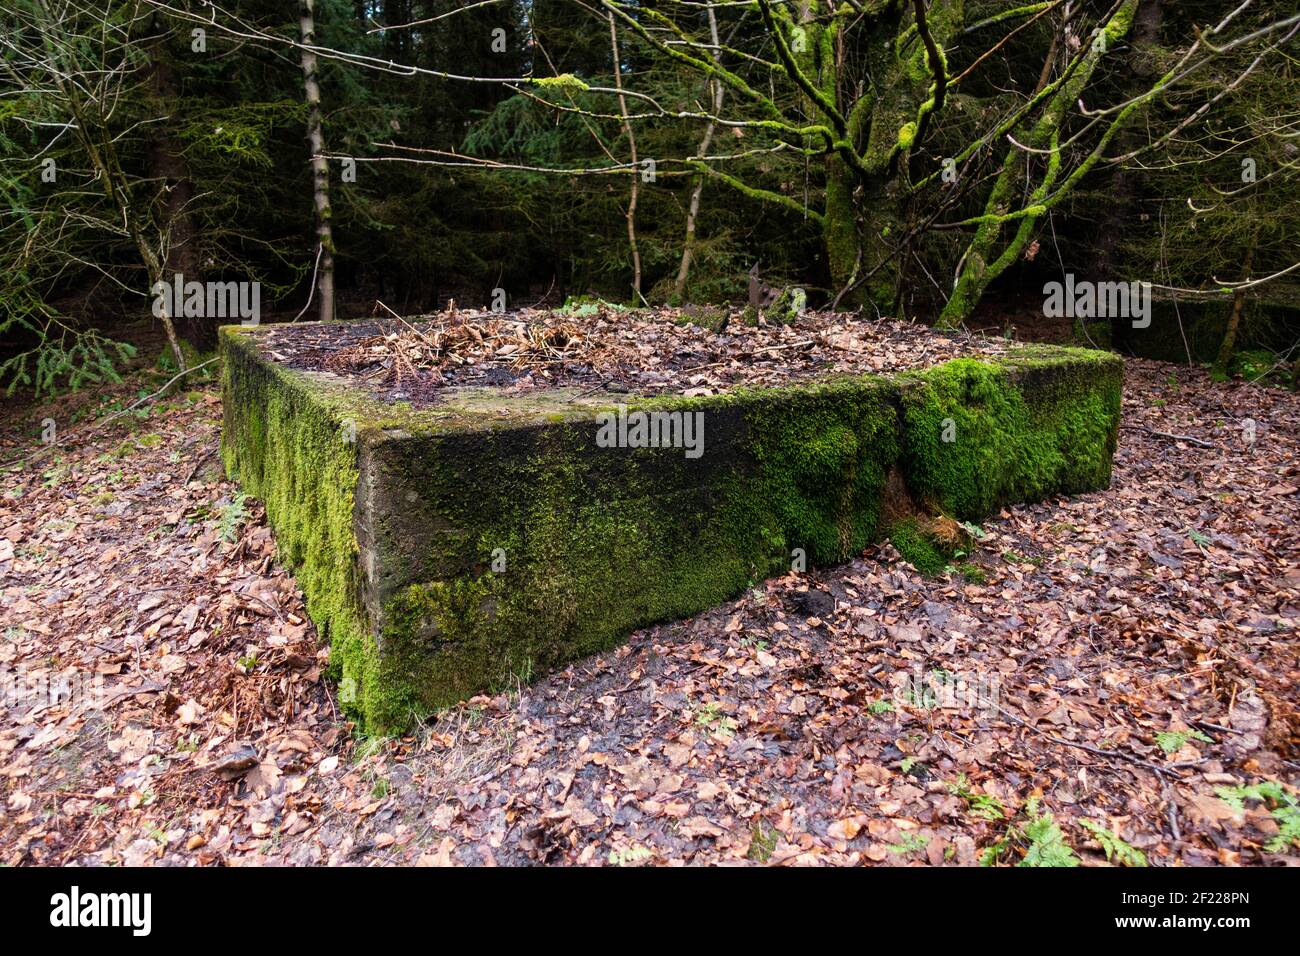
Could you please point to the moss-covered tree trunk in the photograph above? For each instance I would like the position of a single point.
(840, 227)
(988, 255)
(909, 72)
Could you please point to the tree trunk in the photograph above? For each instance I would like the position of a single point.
(904, 79)
(988, 255)
(693, 210)
(1229, 344)
(844, 250)
(631, 141)
(1124, 183)
(171, 169)
(319, 165)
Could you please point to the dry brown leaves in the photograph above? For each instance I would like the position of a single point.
(396, 356)
(620, 351)
(792, 726)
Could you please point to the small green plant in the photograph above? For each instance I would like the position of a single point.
(1039, 838)
(711, 717)
(1282, 805)
(1198, 539)
(1047, 846)
(585, 306)
(1116, 850)
(53, 476)
(762, 842)
(909, 844)
(368, 745)
(878, 707)
(629, 857)
(1172, 741)
(982, 805)
(62, 353)
(1015, 558)
(232, 517)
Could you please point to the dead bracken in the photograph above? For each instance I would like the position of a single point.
(642, 352)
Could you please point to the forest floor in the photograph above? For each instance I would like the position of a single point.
(1141, 641)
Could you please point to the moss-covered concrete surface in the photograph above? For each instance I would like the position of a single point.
(454, 550)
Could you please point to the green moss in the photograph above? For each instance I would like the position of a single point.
(1257, 365)
(713, 319)
(1092, 333)
(840, 232)
(565, 81)
(823, 460)
(285, 443)
(979, 435)
(598, 542)
(934, 545)
(1118, 27)
(788, 306)
(592, 550)
(919, 549)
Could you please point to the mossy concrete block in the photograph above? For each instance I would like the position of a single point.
(462, 548)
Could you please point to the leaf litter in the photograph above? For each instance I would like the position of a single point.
(1142, 642)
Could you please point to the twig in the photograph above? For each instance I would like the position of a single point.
(1218, 727)
(420, 335)
(148, 688)
(311, 291)
(1186, 438)
(1113, 754)
(1172, 812)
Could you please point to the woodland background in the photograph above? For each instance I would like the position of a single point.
(939, 161)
